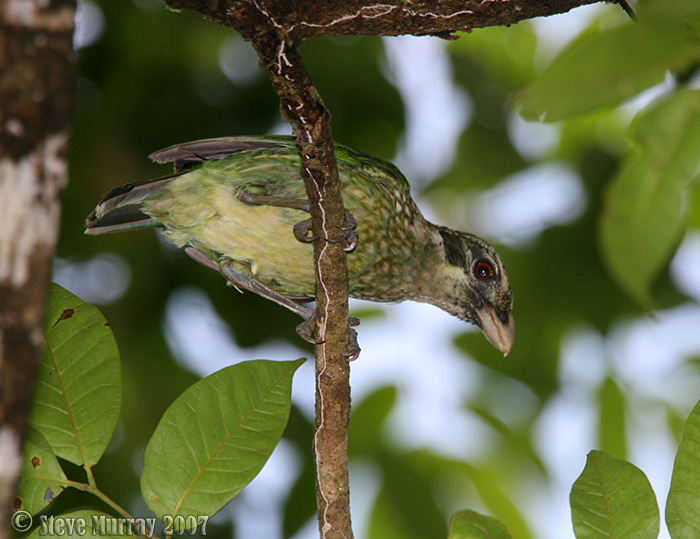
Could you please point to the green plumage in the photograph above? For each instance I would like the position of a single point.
(206, 206)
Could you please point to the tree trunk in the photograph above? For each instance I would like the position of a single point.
(36, 97)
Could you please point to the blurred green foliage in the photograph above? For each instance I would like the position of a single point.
(153, 78)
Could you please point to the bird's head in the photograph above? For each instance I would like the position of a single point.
(480, 292)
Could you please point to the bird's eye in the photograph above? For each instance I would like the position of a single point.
(483, 270)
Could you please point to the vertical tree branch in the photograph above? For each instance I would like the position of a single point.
(265, 24)
(36, 96)
(302, 106)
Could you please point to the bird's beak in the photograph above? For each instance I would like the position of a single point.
(499, 333)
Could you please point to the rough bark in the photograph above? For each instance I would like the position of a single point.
(302, 19)
(36, 96)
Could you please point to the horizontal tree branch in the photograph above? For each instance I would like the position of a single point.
(302, 19)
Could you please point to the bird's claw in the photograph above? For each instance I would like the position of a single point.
(350, 236)
(348, 233)
(307, 328)
(354, 350)
(301, 231)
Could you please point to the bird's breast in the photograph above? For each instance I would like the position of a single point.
(203, 211)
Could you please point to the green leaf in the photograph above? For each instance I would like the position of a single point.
(683, 503)
(643, 215)
(505, 55)
(472, 525)
(613, 498)
(640, 224)
(606, 68)
(214, 439)
(694, 209)
(87, 524)
(78, 392)
(488, 485)
(611, 419)
(516, 440)
(408, 513)
(671, 121)
(368, 419)
(686, 12)
(42, 478)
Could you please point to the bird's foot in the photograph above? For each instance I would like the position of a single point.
(354, 348)
(301, 231)
(306, 330)
(260, 199)
(347, 233)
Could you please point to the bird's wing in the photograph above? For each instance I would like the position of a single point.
(193, 153)
(381, 171)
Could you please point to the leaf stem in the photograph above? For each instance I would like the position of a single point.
(94, 490)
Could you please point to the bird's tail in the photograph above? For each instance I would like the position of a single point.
(120, 209)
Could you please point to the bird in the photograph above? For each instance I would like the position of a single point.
(238, 205)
